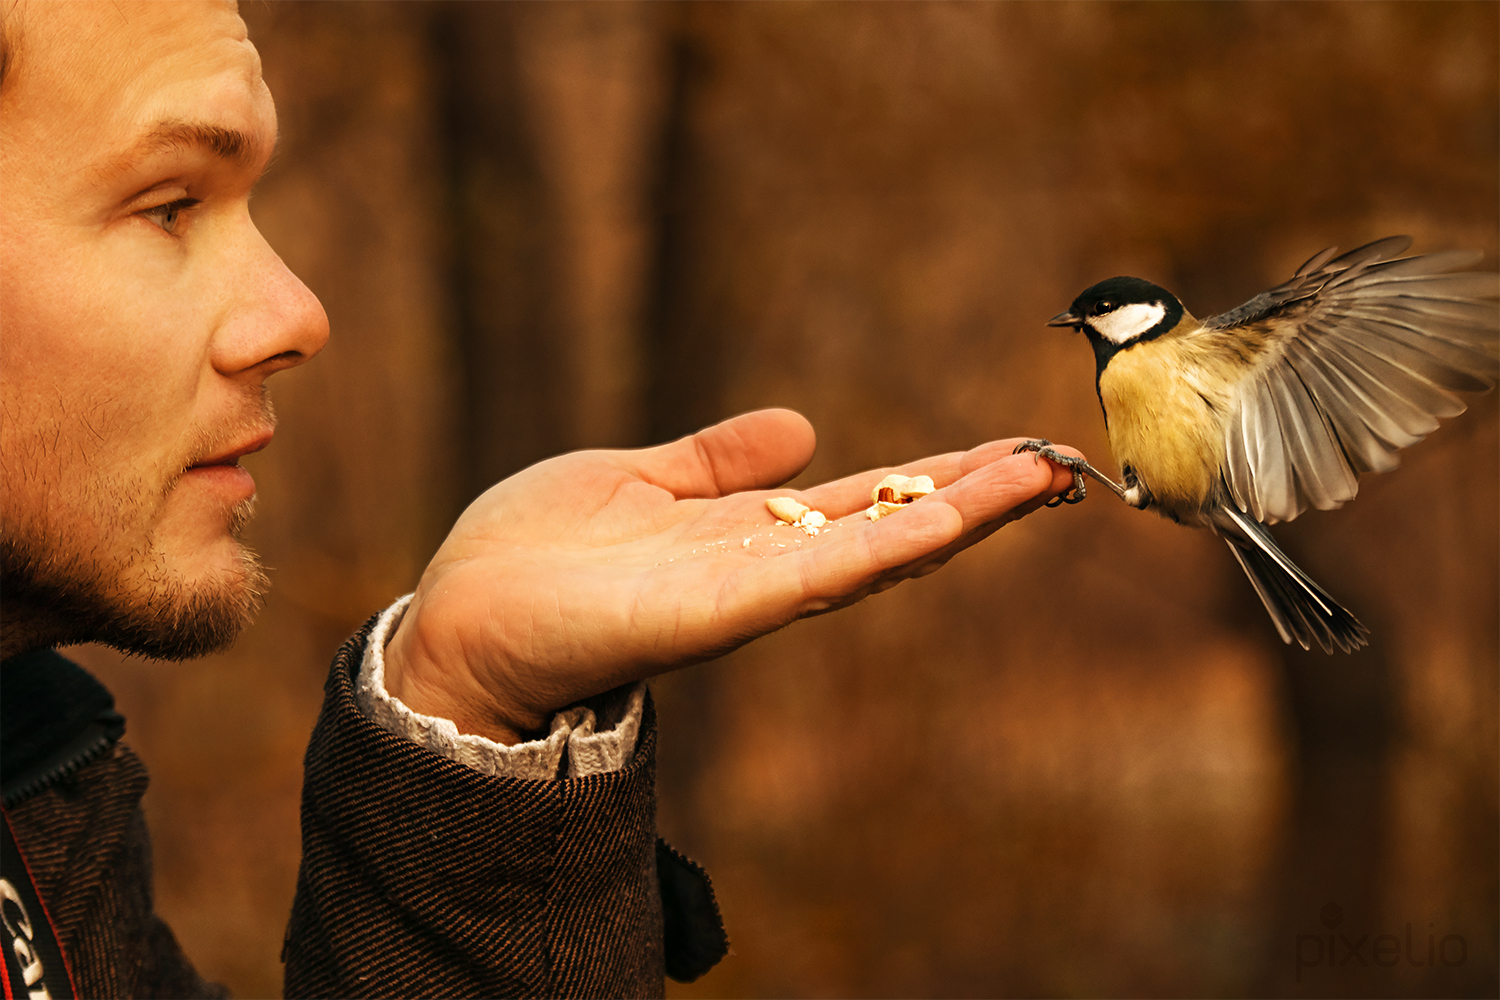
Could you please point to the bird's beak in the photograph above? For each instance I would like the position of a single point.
(1065, 319)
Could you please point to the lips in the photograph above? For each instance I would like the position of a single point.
(232, 455)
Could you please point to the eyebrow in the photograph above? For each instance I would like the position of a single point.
(229, 144)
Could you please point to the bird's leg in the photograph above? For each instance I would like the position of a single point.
(1078, 466)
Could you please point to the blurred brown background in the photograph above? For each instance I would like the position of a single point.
(1077, 762)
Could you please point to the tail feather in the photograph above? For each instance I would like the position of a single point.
(1303, 611)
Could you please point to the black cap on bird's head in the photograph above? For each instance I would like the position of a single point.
(1122, 311)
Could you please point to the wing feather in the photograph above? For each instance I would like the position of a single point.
(1358, 356)
(1351, 267)
(1317, 260)
(1439, 361)
(1323, 474)
(1412, 378)
(1354, 422)
(1422, 266)
(1272, 477)
(1238, 471)
(1399, 422)
(1469, 368)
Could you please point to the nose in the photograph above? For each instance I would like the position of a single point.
(272, 321)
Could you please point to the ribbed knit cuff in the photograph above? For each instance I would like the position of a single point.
(572, 738)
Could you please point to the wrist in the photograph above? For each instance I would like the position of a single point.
(427, 688)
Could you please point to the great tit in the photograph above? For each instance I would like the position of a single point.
(1252, 416)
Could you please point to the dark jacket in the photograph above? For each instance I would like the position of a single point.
(419, 877)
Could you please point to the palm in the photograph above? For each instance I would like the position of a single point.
(597, 568)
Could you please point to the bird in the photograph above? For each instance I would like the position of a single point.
(1250, 417)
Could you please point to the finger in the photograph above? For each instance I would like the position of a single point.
(842, 569)
(852, 493)
(994, 450)
(997, 489)
(754, 450)
(776, 591)
(1003, 491)
(996, 494)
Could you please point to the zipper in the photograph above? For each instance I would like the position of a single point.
(93, 749)
(54, 719)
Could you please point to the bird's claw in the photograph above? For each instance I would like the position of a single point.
(1078, 492)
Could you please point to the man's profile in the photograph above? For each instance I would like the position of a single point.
(479, 800)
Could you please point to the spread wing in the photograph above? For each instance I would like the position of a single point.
(1354, 358)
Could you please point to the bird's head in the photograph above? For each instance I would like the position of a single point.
(1122, 311)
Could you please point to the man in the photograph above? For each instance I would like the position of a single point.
(478, 812)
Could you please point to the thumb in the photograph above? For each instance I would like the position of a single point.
(755, 450)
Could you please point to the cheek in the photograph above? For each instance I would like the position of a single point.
(110, 338)
(101, 377)
(64, 484)
(1128, 322)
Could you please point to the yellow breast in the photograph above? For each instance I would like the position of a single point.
(1162, 424)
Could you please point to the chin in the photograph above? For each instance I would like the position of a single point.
(167, 601)
(187, 616)
(194, 603)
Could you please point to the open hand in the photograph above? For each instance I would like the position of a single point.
(598, 568)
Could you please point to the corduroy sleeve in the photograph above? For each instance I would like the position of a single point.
(423, 877)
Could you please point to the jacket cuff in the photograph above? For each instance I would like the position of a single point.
(421, 876)
(578, 743)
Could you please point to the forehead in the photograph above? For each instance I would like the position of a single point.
(1123, 289)
(90, 75)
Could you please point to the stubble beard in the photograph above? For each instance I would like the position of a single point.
(52, 594)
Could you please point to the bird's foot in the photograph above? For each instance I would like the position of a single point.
(1043, 449)
(1076, 464)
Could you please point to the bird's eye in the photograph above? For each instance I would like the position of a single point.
(1104, 307)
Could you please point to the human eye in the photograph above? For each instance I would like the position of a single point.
(169, 216)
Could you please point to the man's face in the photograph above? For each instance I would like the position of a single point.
(140, 315)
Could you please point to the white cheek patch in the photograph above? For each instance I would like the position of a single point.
(1128, 322)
